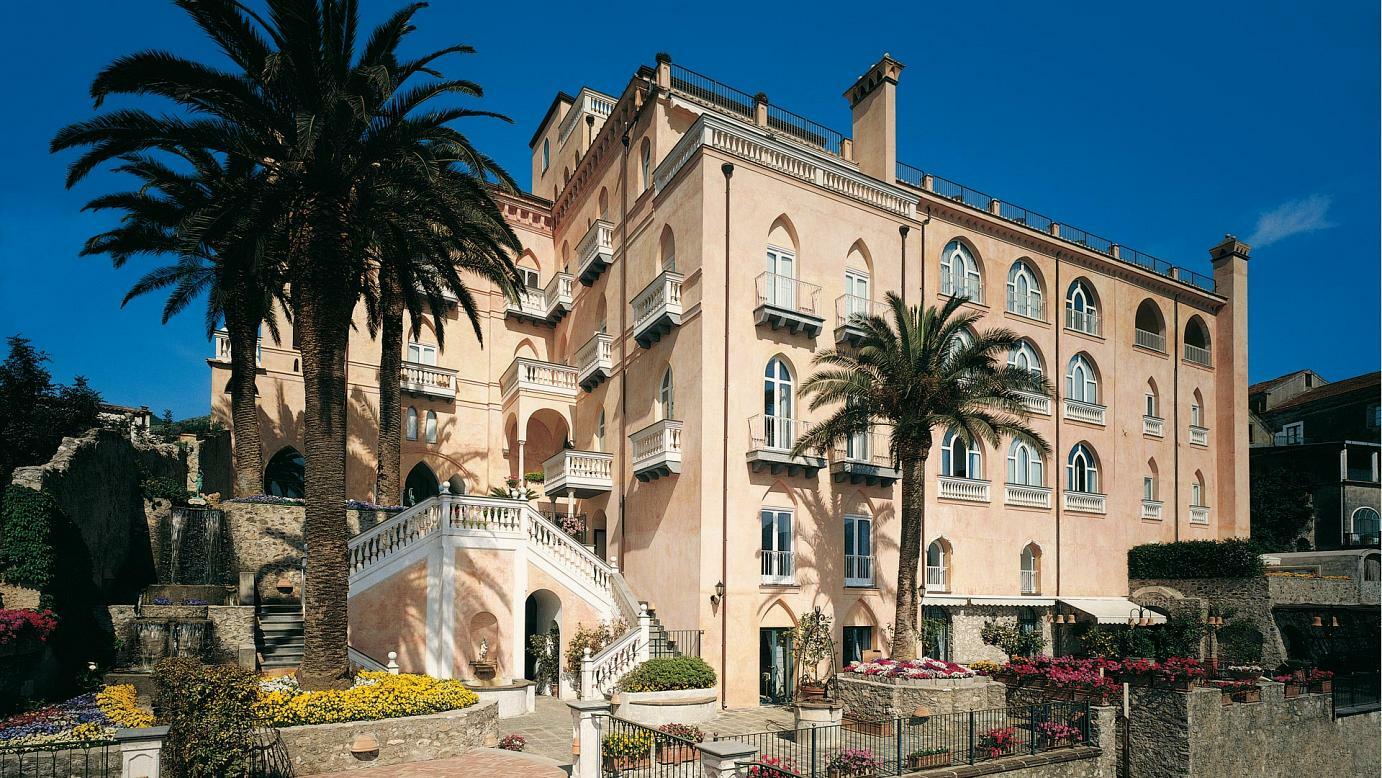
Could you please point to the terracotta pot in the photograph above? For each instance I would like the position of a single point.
(811, 693)
(928, 761)
(675, 753)
(872, 728)
(1322, 687)
(1292, 690)
(621, 763)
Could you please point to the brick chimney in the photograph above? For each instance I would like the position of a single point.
(1230, 259)
(873, 100)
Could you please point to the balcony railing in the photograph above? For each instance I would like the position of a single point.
(1151, 340)
(1029, 306)
(848, 310)
(1085, 502)
(787, 293)
(656, 450)
(428, 379)
(1154, 426)
(937, 579)
(777, 433)
(548, 304)
(1023, 496)
(968, 288)
(587, 102)
(779, 568)
(595, 251)
(1198, 355)
(1083, 321)
(771, 439)
(1199, 514)
(221, 348)
(858, 570)
(1029, 582)
(1199, 436)
(966, 489)
(864, 458)
(582, 473)
(657, 309)
(1035, 403)
(531, 375)
(1151, 510)
(1089, 413)
(595, 361)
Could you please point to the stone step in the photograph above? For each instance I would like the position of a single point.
(282, 641)
(282, 608)
(281, 621)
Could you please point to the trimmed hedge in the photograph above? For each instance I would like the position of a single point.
(669, 673)
(27, 555)
(1232, 558)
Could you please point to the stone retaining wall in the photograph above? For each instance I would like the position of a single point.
(267, 541)
(874, 699)
(232, 629)
(326, 748)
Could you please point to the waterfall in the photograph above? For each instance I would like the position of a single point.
(151, 638)
(188, 637)
(175, 543)
(212, 540)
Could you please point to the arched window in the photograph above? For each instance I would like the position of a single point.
(411, 431)
(666, 397)
(1081, 382)
(962, 339)
(1364, 521)
(1151, 407)
(421, 484)
(778, 413)
(668, 249)
(959, 460)
(1197, 491)
(600, 431)
(1197, 341)
(284, 476)
(645, 163)
(603, 203)
(1081, 308)
(1024, 355)
(1082, 470)
(1025, 467)
(1149, 326)
(1149, 482)
(960, 275)
(546, 154)
(1029, 564)
(938, 566)
(1197, 409)
(779, 286)
(431, 427)
(1024, 292)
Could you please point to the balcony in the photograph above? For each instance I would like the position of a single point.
(543, 306)
(1029, 307)
(656, 450)
(970, 289)
(858, 570)
(1197, 355)
(578, 473)
(1083, 321)
(786, 303)
(1023, 496)
(657, 309)
(221, 348)
(429, 380)
(1086, 502)
(1149, 340)
(1035, 404)
(1199, 514)
(537, 377)
(1153, 426)
(847, 327)
(964, 489)
(1089, 413)
(779, 568)
(770, 445)
(864, 459)
(595, 251)
(937, 579)
(1199, 436)
(595, 361)
(1151, 510)
(1029, 582)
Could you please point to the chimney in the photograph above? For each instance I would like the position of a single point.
(873, 100)
(1230, 259)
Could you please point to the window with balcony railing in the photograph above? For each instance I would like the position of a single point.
(960, 275)
(1149, 340)
(858, 551)
(1025, 297)
(778, 563)
(937, 567)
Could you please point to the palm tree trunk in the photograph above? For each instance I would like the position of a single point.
(909, 551)
(387, 488)
(324, 326)
(247, 450)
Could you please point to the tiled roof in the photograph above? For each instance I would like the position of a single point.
(1367, 380)
(1268, 385)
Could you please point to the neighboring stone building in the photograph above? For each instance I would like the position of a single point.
(1326, 434)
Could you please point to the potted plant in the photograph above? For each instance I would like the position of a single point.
(812, 645)
(1321, 681)
(870, 727)
(772, 767)
(1244, 672)
(678, 745)
(1138, 671)
(1293, 684)
(513, 742)
(1181, 672)
(853, 763)
(925, 758)
(1053, 734)
(627, 750)
(1238, 691)
(997, 742)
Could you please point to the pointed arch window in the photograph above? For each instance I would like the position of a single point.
(1025, 467)
(430, 430)
(600, 431)
(546, 154)
(938, 566)
(1197, 492)
(645, 163)
(1082, 470)
(778, 409)
(666, 397)
(1024, 355)
(1025, 297)
(960, 275)
(1081, 310)
(411, 430)
(1030, 580)
(1081, 382)
(959, 460)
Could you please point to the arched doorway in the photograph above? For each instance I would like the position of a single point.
(541, 616)
(935, 632)
(284, 476)
(420, 485)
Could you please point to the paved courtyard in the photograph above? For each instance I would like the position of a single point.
(480, 761)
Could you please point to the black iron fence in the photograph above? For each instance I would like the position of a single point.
(678, 642)
(98, 759)
(1355, 694)
(897, 746)
(630, 750)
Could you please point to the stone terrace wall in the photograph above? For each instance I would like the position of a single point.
(875, 699)
(1249, 598)
(325, 748)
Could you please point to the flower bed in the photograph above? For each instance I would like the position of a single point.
(375, 695)
(1054, 734)
(86, 718)
(22, 627)
(1237, 691)
(923, 668)
(853, 763)
(1099, 677)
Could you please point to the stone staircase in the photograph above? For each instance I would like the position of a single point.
(660, 641)
(280, 635)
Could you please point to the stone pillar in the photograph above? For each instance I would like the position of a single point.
(664, 71)
(585, 734)
(645, 623)
(521, 483)
(139, 751)
(725, 758)
(760, 109)
(588, 677)
(1103, 732)
(392, 667)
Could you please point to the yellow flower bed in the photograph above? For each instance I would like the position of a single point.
(376, 695)
(120, 703)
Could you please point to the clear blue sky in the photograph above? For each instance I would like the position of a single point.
(1160, 126)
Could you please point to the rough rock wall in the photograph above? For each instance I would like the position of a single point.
(266, 539)
(1249, 598)
(877, 699)
(325, 748)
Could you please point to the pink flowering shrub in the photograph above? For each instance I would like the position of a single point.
(18, 625)
(997, 741)
(1056, 733)
(923, 668)
(1069, 673)
(1180, 668)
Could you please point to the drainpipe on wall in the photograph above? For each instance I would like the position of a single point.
(1175, 409)
(623, 346)
(1057, 490)
(902, 260)
(728, 170)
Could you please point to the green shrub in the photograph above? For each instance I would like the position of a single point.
(1232, 558)
(208, 711)
(669, 673)
(1011, 640)
(27, 557)
(163, 488)
(1241, 642)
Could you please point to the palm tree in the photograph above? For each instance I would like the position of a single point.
(344, 132)
(229, 261)
(919, 371)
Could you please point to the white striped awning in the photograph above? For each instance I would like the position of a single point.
(1111, 610)
(997, 600)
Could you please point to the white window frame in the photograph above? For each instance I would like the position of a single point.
(1032, 472)
(777, 570)
(1028, 566)
(856, 292)
(1152, 408)
(1149, 488)
(666, 396)
(943, 585)
(859, 538)
(960, 276)
(1197, 494)
(422, 354)
(1353, 520)
(1196, 414)
(1024, 303)
(1089, 474)
(600, 431)
(430, 426)
(1294, 432)
(1087, 390)
(973, 458)
(1025, 351)
(646, 164)
(779, 404)
(531, 277)
(410, 423)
